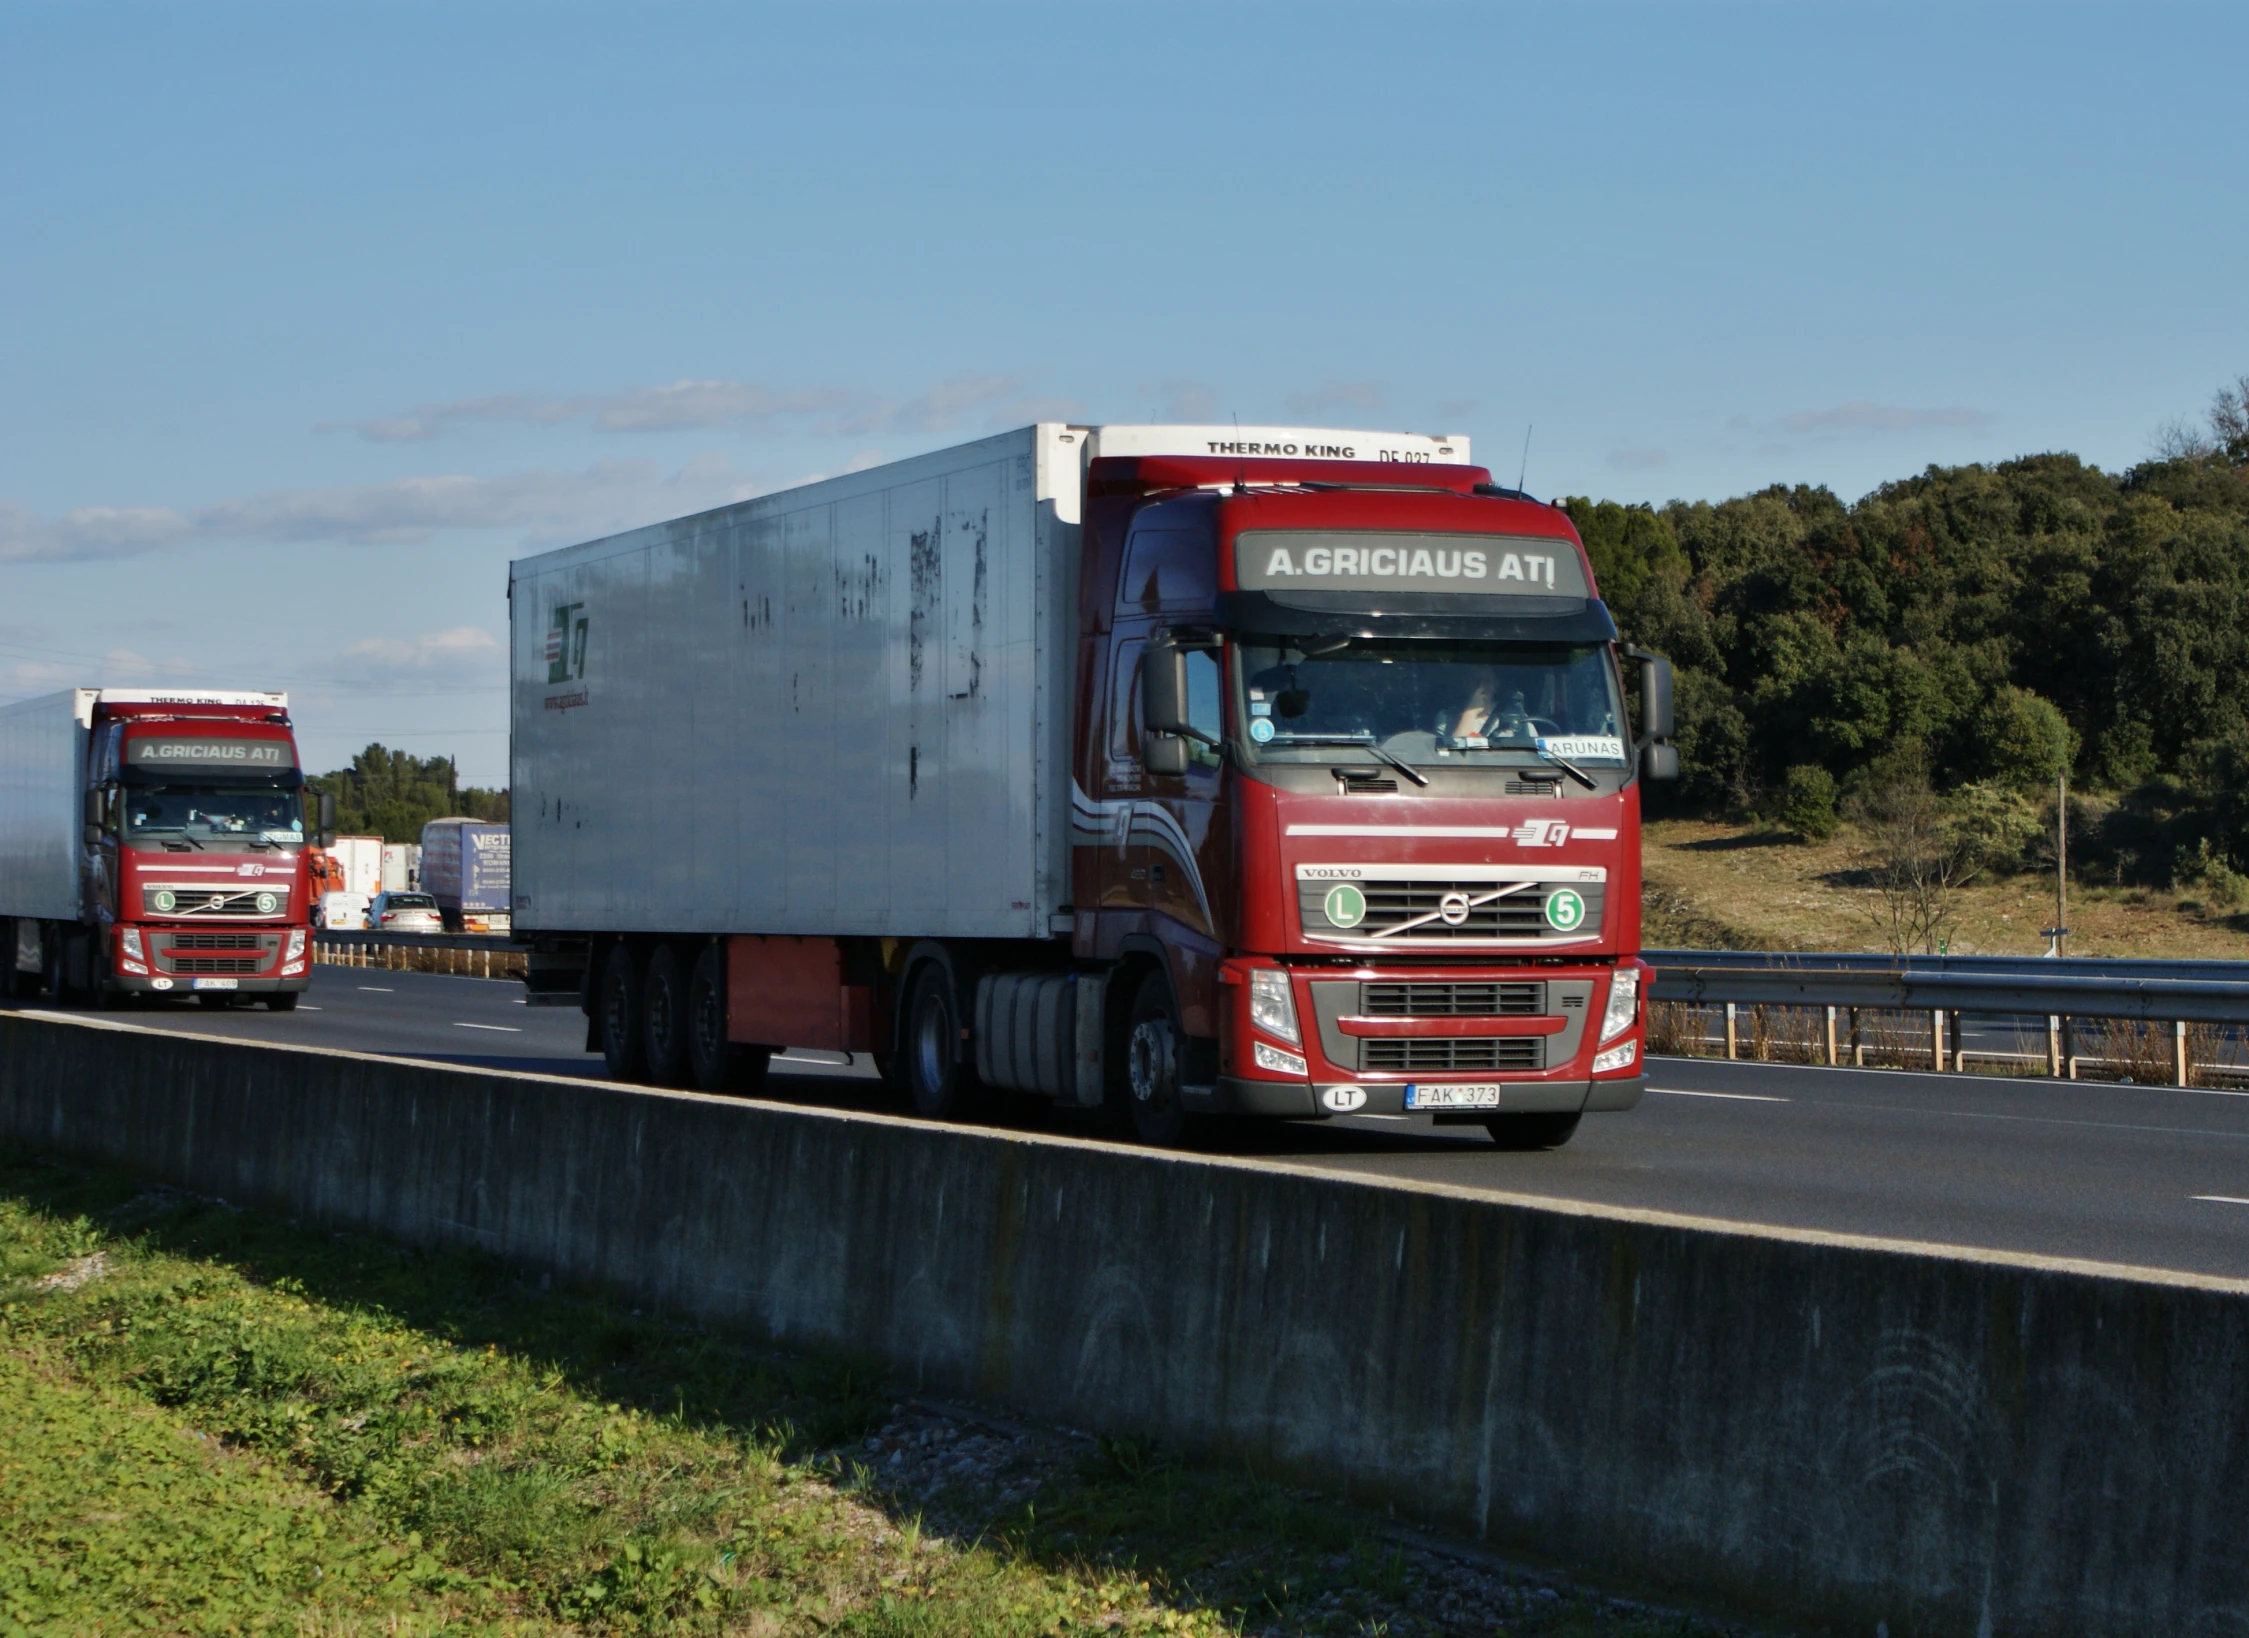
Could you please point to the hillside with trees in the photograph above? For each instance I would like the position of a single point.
(1971, 632)
(392, 794)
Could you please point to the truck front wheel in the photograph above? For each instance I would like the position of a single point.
(1532, 1131)
(619, 1002)
(1152, 1066)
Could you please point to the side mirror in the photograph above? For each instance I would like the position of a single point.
(1163, 689)
(1660, 762)
(327, 819)
(1655, 697)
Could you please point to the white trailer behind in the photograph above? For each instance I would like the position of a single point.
(43, 804)
(841, 709)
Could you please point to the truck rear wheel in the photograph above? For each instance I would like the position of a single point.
(715, 1063)
(663, 1012)
(1532, 1131)
(941, 1086)
(619, 1011)
(282, 1001)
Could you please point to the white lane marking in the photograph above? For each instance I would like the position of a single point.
(301, 1007)
(2221, 1199)
(377, 989)
(1738, 1097)
(504, 1029)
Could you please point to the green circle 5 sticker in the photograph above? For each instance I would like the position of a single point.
(1346, 906)
(1564, 910)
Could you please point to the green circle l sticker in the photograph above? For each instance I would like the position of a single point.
(1346, 906)
(1564, 910)
(165, 901)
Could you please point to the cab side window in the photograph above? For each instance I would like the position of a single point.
(1203, 710)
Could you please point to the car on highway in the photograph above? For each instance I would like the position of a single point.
(405, 913)
(340, 910)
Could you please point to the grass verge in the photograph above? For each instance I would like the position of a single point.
(220, 1423)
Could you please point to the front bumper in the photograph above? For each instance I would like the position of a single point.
(1304, 1100)
(166, 984)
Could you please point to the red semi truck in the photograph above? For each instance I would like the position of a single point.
(153, 843)
(1276, 771)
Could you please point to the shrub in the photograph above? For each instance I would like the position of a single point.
(1807, 804)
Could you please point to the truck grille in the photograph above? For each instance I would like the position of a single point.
(1520, 1052)
(1519, 1000)
(1442, 912)
(214, 964)
(212, 941)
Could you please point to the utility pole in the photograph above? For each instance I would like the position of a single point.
(2061, 859)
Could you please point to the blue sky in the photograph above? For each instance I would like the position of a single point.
(313, 316)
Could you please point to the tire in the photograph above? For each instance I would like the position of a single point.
(715, 1064)
(1532, 1131)
(663, 1017)
(214, 1003)
(282, 1001)
(940, 1086)
(617, 1005)
(1152, 1066)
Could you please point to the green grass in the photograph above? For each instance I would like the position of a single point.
(215, 1422)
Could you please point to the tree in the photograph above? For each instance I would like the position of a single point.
(393, 794)
(1916, 853)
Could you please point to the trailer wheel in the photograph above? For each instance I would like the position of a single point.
(715, 1063)
(1532, 1131)
(1152, 1066)
(663, 1012)
(941, 1086)
(619, 1003)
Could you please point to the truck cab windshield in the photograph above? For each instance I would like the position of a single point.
(1432, 703)
(208, 816)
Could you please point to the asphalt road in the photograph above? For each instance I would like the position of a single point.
(2150, 1176)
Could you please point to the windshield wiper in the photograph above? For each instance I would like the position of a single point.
(1572, 769)
(1363, 741)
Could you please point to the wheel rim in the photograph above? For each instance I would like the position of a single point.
(930, 1063)
(1148, 1063)
(658, 1001)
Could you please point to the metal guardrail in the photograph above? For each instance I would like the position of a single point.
(2198, 992)
(367, 938)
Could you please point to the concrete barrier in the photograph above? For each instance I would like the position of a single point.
(1819, 1427)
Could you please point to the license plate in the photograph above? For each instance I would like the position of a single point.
(218, 983)
(1452, 1095)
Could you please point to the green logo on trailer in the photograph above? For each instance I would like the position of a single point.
(1346, 906)
(566, 644)
(1564, 910)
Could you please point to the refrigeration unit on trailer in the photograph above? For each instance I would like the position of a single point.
(1280, 771)
(153, 843)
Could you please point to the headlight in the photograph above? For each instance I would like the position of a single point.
(1616, 1058)
(296, 944)
(1271, 1007)
(1624, 1002)
(131, 940)
(1279, 1062)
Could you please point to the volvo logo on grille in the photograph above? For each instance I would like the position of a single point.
(1452, 909)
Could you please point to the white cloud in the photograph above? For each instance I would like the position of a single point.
(549, 506)
(961, 400)
(449, 648)
(1340, 400)
(1183, 401)
(1634, 458)
(1861, 416)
